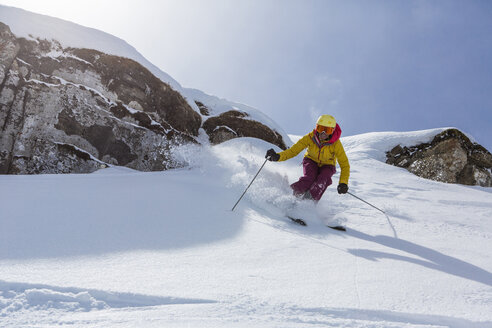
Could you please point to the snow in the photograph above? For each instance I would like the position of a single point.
(121, 248)
(55, 54)
(41, 82)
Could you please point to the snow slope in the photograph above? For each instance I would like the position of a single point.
(120, 248)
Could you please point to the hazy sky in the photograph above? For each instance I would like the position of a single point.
(375, 65)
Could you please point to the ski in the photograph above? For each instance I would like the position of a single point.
(303, 223)
(339, 228)
(298, 221)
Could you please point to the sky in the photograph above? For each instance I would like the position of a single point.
(374, 65)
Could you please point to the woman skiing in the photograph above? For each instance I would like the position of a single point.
(324, 149)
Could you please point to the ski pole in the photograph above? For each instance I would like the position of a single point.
(348, 192)
(249, 185)
(387, 217)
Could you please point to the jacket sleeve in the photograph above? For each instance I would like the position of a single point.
(293, 151)
(343, 162)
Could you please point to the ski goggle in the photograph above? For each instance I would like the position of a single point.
(328, 130)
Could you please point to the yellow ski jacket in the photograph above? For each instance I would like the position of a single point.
(328, 154)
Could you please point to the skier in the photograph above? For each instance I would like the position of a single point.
(324, 149)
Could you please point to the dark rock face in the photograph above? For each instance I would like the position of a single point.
(62, 158)
(450, 157)
(234, 124)
(203, 109)
(73, 110)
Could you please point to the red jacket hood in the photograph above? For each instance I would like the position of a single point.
(336, 134)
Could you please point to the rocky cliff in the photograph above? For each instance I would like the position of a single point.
(71, 110)
(450, 157)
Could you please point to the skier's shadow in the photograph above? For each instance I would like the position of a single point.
(431, 259)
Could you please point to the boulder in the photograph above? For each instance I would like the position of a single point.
(450, 157)
(235, 124)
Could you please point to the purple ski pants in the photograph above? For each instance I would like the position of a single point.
(315, 179)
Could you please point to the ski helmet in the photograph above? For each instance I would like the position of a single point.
(327, 120)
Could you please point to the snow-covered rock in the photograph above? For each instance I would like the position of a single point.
(52, 95)
(450, 157)
(103, 101)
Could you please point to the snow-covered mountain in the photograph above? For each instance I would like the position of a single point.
(74, 98)
(121, 248)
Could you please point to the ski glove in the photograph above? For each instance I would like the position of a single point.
(271, 155)
(342, 188)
